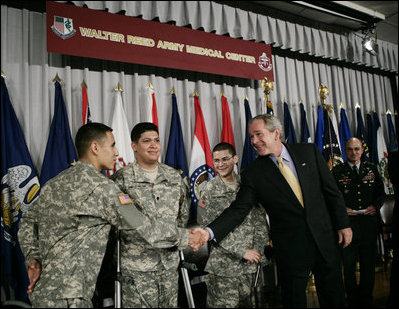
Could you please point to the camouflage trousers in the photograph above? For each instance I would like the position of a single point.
(62, 303)
(158, 289)
(230, 292)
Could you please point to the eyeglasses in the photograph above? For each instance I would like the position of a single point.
(222, 160)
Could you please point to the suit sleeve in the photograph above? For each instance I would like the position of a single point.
(332, 195)
(235, 214)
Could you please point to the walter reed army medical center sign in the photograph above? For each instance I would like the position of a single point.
(88, 33)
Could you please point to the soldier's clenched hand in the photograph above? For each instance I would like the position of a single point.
(34, 271)
(252, 256)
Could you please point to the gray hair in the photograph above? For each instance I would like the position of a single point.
(271, 123)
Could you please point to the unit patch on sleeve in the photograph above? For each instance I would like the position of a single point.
(125, 199)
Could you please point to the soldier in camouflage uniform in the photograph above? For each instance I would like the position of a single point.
(232, 265)
(65, 233)
(364, 195)
(151, 274)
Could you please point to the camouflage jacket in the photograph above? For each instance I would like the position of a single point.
(165, 199)
(67, 228)
(226, 259)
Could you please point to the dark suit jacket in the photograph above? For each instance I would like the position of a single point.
(291, 226)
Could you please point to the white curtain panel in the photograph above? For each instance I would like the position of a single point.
(30, 71)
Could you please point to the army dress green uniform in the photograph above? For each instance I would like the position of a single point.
(151, 274)
(67, 230)
(230, 278)
(360, 190)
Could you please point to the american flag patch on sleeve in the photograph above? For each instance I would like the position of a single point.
(125, 199)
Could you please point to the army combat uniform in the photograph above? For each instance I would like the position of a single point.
(360, 190)
(151, 274)
(230, 278)
(67, 230)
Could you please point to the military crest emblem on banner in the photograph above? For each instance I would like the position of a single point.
(63, 27)
(264, 63)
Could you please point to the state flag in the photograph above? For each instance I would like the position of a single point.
(60, 150)
(121, 133)
(361, 134)
(249, 154)
(289, 130)
(227, 129)
(305, 135)
(344, 131)
(19, 189)
(201, 164)
(175, 154)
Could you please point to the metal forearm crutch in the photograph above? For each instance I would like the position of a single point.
(256, 283)
(186, 281)
(118, 274)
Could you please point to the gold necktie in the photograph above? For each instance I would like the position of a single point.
(291, 179)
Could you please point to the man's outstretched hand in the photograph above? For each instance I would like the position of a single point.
(198, 237)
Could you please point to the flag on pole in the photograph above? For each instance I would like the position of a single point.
(227, 129)
(201, 163)
(305, 135)
(60, 150)
(121, 133)
(175, 154)
(344, 131)
(269, 108)
(334, 122)
(382, 155)
(393, 141)
(151, 106)
(331, 151)
(249, 154)
(361, 134)
(86, 116)
(289, 129)
(318, 138)
(372, 139)
(19, 189)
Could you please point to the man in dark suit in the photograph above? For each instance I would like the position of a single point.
(306, 226)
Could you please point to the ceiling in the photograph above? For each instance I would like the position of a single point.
(299, 12)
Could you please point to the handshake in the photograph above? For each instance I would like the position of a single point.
(198, 237)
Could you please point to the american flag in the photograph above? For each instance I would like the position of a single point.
(125, 199)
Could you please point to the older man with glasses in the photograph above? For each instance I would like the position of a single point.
(363, 191)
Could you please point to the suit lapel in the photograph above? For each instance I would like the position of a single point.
(277, 179)
(301, 171)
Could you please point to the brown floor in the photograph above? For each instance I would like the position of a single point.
(381, 287)
(381, 290)
(269, 296)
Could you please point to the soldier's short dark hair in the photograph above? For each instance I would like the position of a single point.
(88, 133)
(225, 146)
(140, 128)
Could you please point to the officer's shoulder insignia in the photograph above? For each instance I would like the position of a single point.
(125, 199)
